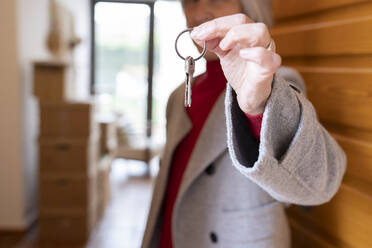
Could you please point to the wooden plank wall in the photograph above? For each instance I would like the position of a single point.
(330, 43)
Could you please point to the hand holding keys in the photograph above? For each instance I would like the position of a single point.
(189, 68)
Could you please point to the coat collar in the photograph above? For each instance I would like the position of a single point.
(178, 127)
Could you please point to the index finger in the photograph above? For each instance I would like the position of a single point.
(218, 27)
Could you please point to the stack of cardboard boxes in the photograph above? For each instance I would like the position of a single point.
(108, 147)
(69, 154)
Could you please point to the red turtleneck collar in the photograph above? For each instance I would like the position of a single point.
(205, 91)
(213, 75)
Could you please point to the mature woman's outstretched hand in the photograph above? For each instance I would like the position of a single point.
(248, 66)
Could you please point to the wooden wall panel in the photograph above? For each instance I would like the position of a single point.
(290, 8)
(359, 156)
(342, 62)
(362, 9)
(304, 238)
(333, 38)
(345, 220)
(358, 147)
(330, 43)
(338, 100)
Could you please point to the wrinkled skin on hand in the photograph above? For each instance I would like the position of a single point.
(249, 67)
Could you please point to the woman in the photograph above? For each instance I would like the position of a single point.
(244, 150)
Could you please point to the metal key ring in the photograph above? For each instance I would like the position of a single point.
(175, 45)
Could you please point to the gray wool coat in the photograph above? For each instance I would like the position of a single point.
(234, 191)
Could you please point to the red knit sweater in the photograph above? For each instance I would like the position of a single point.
(206, 89)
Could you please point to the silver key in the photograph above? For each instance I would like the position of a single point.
(189, 69)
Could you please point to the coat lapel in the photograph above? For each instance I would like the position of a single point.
(179, 126)
(211, 142)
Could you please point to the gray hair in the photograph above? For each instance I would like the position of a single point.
(258, 10)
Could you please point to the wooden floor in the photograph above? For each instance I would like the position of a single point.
(123, 223)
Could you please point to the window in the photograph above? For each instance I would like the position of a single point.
(135, 70)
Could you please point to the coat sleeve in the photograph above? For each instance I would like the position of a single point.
(297, 161)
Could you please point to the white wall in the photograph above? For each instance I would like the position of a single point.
(81, 12)
(23, 31)
(11, 132)
(32, 30)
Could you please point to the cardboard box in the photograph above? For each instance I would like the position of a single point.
(104, 185)
(66, 226)
(67, 191)
(67, 120)
(51, 81)
(68, 155)
(108, 138)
